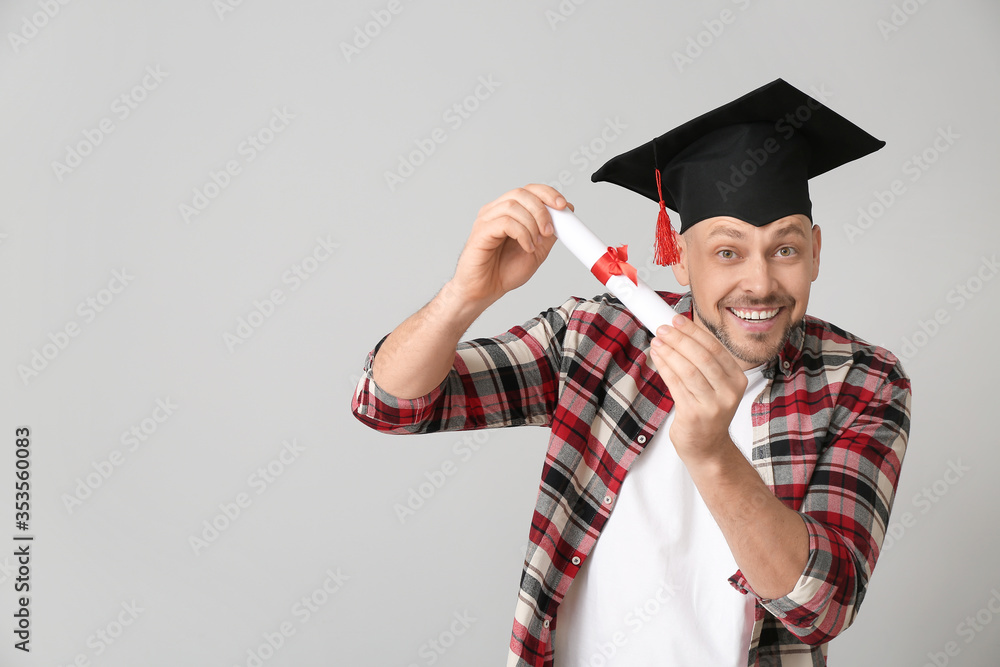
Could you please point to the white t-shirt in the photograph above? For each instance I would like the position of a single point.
(654, 590)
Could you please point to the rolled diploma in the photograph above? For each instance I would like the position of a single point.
(648, 306)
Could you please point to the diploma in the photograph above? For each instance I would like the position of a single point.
(609, 266)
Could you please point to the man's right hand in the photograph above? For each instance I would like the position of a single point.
(510, 239)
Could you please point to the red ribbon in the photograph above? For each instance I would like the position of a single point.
(613, 263)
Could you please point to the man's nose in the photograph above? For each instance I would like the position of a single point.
(757, 278)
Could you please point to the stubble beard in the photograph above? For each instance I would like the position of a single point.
(751, 354)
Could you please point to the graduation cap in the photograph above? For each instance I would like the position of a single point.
(749, 159)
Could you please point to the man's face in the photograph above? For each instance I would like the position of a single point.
(750, 285)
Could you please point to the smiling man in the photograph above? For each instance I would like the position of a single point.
(713, 494)
(755, 280)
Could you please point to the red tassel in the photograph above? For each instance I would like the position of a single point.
(666, 252)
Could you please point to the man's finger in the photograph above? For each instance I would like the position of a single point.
(686, 373)
(719, 352)
(710, 364)
(536, 217)
(678, 391)
(548, 195)
(516, 211)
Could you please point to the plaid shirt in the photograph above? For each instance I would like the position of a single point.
(829, 431)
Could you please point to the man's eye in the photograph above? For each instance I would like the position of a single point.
(786, 252)
(727, 254)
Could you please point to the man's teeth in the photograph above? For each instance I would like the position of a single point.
(755, 314)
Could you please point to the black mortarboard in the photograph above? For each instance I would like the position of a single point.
(749, 159)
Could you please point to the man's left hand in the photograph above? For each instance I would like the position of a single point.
(706, 383)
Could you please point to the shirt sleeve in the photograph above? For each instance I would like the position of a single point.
(508, 380)
(846, 510)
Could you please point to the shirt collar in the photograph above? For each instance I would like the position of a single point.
(785, 360)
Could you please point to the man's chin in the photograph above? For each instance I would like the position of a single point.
(753, 352)
(753, 348)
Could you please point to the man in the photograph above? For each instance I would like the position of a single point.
(771, 442)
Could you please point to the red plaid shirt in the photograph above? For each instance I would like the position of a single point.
(829, 430)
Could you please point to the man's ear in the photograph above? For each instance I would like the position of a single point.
(817, 242)
(680, 269)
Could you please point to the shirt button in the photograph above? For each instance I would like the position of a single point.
(545, 623)
(641, 439)
(576, 560)
(786, 365)
(607, 500)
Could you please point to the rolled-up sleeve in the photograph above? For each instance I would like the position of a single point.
(846, 511)
(508, 380)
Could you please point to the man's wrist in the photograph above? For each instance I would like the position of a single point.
(710, 455)
(451, 302)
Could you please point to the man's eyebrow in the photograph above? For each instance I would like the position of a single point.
(793, 229)
(726, 230)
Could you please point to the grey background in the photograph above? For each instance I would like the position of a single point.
(323, 175)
